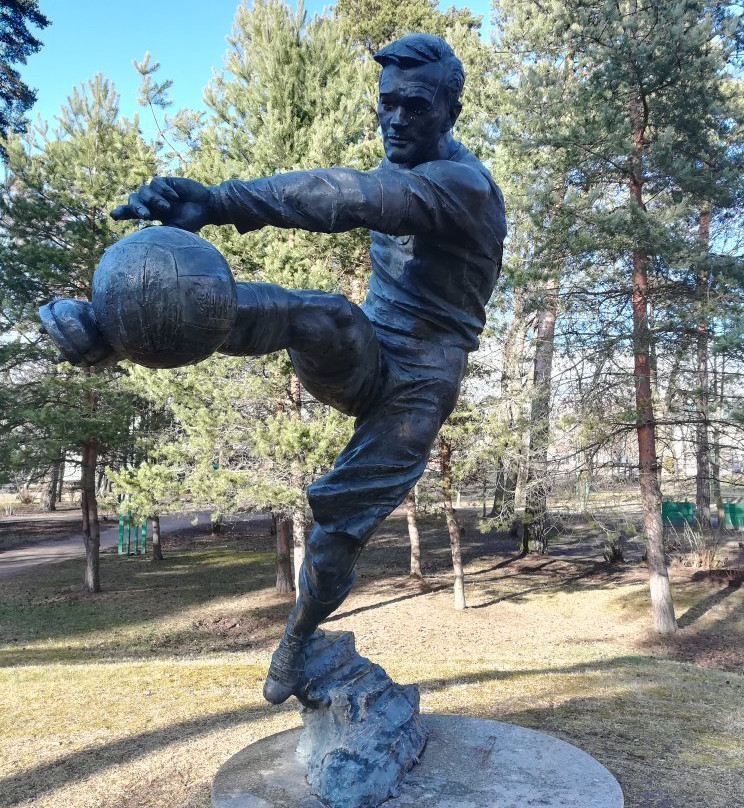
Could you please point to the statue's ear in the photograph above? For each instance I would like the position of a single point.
(454, 114)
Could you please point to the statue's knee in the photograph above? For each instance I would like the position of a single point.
(341, 310)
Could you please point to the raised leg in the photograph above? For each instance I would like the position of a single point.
(332, 344)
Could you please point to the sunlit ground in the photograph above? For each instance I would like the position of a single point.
(136, 696)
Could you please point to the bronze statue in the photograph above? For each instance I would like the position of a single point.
(396, 362)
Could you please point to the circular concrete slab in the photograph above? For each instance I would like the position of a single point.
(467, 763)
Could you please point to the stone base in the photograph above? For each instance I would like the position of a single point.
(467, 763)
(363, 732)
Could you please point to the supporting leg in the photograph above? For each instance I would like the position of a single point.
(326, 578)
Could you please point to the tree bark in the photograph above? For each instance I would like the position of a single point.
(157, 547)
(61, 479)
(715, 463)
(512, 383)
(413, 535)
(702, 447)
(536, 507)
(49, 501)
(89, 509)
(299, 519)
(453, 528)
(299, 525)
(662, 606)
(283, 528)
(505, 495)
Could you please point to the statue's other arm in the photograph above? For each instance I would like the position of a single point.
(435, 197)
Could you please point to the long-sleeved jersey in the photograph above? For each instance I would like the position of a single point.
(437, 235)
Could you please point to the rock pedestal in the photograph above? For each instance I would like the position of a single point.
(363, 734)
(467, 763)
(362, 731)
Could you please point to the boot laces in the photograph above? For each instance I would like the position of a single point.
(287, 660)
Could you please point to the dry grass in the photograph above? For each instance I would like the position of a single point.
(136, 696)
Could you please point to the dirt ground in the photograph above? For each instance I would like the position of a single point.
(133, 698)
(560, 570)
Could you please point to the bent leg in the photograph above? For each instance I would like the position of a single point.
(332, 344)
(384, 459)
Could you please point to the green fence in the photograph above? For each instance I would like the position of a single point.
(685, 512)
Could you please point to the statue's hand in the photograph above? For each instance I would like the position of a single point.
(175, 201)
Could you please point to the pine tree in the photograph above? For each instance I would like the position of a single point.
(648, 73)
(17, 43)
(56, 197)
(291, 96)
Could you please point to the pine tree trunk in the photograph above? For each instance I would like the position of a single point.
(498, 490)
(299, 525)
(49, 501)
(715, 462)
(413, 535)
(662, 605)
(299, 519)
(283, 528)
(536, 506)
(61, 479)
(702, 448)
(91, 524)
(453, 528)
(157, 547)
(504, 504)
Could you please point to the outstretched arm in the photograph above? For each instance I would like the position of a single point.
(441, 196)
(434, 197)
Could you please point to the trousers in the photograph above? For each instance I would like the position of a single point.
(400, 388)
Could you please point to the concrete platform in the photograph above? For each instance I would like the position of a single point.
(467, 763)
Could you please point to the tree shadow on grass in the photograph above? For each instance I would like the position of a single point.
(255, 628)
(500, 565)
(660, 763)
(706, 604)
(137, 591)
(381, 604)
(534, 574)
(46, 777)
(710, 631)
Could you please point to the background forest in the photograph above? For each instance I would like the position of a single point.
(610, 373)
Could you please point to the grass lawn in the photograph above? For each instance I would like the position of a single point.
(136, 696)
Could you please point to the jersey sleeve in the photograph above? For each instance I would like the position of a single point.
(433, 197)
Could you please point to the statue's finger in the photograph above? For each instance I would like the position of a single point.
(164, 188)
(123, 212)
(153, 200)
(140, 211)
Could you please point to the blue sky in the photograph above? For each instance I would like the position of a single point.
(188, 38)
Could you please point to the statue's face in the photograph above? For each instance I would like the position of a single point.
(414, 112)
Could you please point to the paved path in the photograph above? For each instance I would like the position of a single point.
(53, 551)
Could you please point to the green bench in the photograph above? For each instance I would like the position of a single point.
(734, 514)
(677, 511)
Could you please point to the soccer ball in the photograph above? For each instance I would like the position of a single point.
(164, 297)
